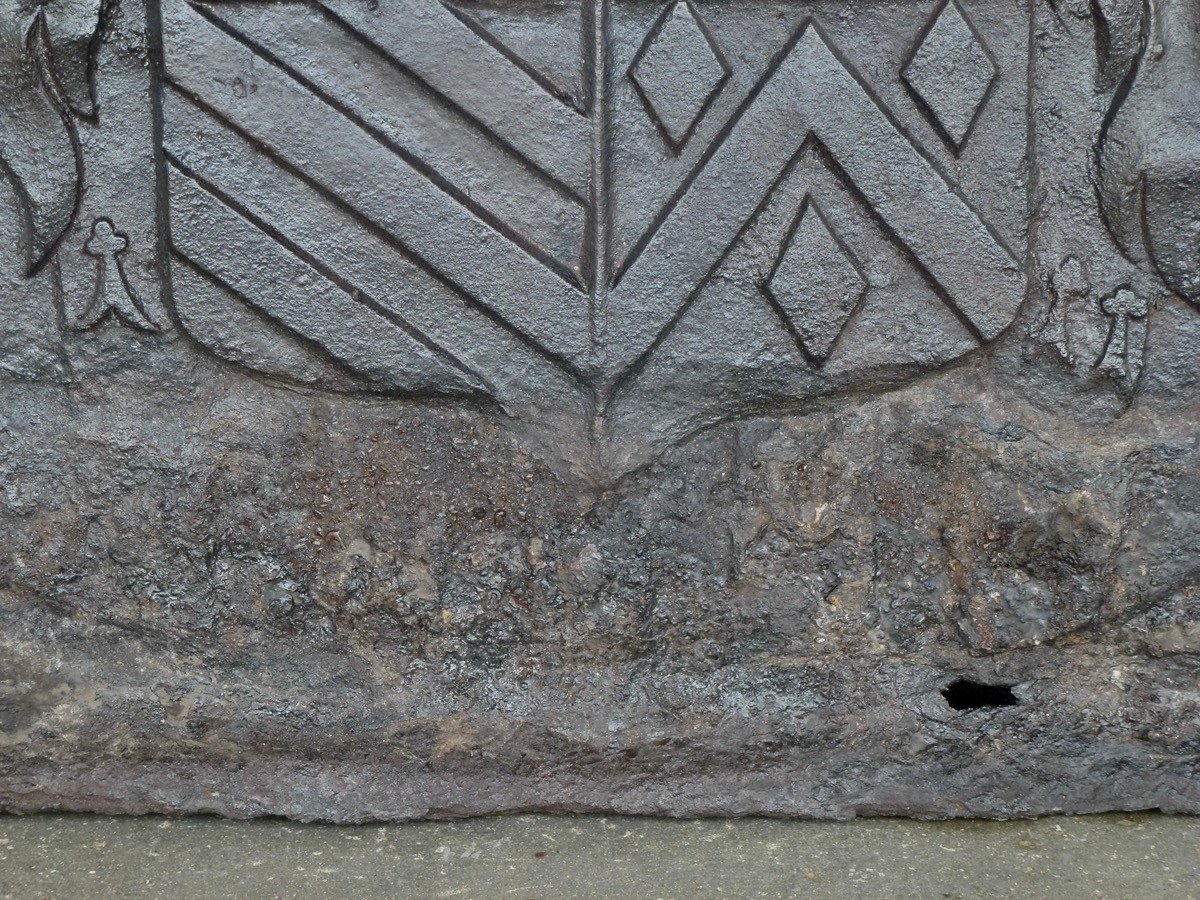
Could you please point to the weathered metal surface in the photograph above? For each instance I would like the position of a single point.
(432, 407)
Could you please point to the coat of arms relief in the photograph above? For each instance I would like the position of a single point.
(617, 221)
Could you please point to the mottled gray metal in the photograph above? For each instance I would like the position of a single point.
(433, 407)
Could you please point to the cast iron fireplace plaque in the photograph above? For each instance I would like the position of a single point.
(430, 407)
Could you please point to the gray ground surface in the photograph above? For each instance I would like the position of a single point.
(1117, 856)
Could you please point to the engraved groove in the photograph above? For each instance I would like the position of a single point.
(629, 374)
(928, 86)
(600, 218)
(352, 291)
(816, 91)
(544, 212)
(568, 275)
(480, 82)
(553, 90)
(675, 116)
(727, 128)
(811, 248)
(482, 261)
(575, 192)
(267, 320)
(369, 225)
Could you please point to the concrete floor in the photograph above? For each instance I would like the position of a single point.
(1118, 856)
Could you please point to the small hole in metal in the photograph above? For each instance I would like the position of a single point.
(965, 695)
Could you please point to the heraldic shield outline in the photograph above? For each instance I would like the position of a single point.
(623, 202)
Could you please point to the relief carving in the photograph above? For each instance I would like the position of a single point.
(114, 294)
(664, 200)
(46, 55)
(1148, 151)
(614, 216)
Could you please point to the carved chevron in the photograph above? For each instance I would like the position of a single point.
(811, 91)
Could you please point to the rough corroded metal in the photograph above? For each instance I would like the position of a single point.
(432, 407)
